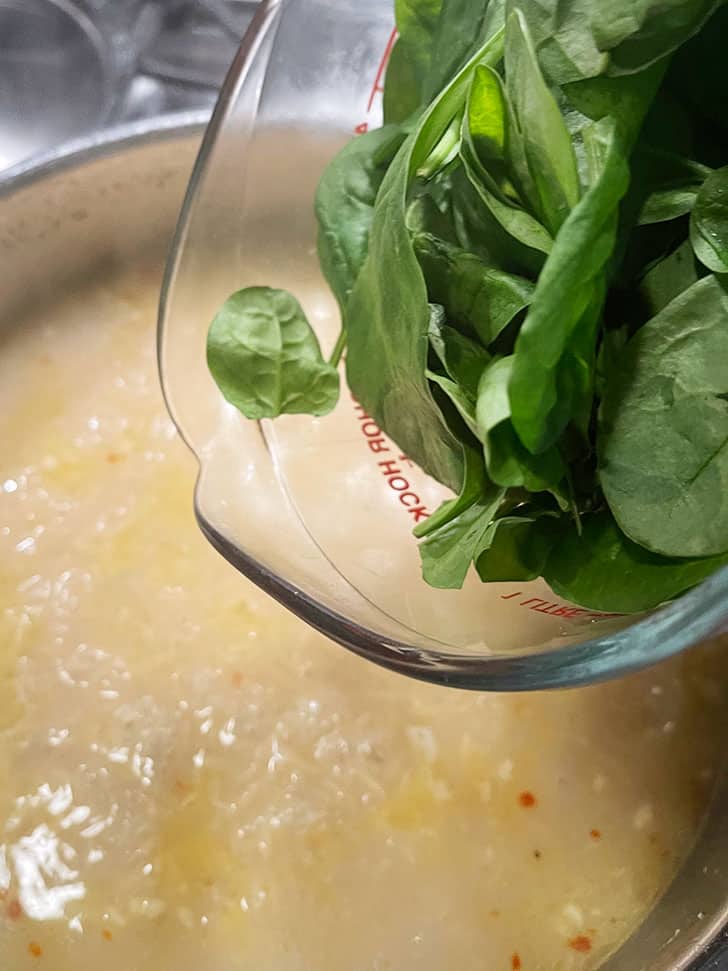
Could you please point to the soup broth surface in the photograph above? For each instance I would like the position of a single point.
(192, 780)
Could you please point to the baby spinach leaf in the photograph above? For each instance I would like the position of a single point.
(458, 395)
(665, 204)
(669, 277)
(546, 140)
(668, 183)
(508, 463)
(518, 547)
(411, 57)
(585, 38)
(626, 100)
(603, 570)
(402, 92)
(709, 222)
(487, 115)
(463, 359)
(345, 205)
(472, 489)
(478, 231)
(562, 38)
(566, 290)
(445, 152)
(448, 552)
(430, 209)
(663, 442)
(637, 33)
(474, 295)
(494, 139)
(266, 359)
(388, 313)
(493, 146)
(463, 27)
(488, 96)
(518, 223)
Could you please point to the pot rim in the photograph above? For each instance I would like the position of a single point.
(98, 144)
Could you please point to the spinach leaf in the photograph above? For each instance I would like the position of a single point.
(448, 552)
(458, 395)
(388, 314)
(487, 116)
(430, 209)
(494, 138)
(709, 222)
(402, 86)
(562, 38)
(494, 141)
(472, 489)
(546, 140)
(411, 57)
(672, 184)
(542, 389)
(266, 359)
(603, 570)
(475, 296)
(463, 359)
(463, 27)
(578, 39)
(518, 547)
(445, 152)
(665, 204)
(663, 436)
(669, 277)
(637, 33)
(508, 463)
(527, 231)
(345, 205)
(479, 231)
(626, 100)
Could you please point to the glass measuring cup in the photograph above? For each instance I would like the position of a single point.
(319, 512)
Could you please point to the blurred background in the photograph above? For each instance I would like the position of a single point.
(73, 67)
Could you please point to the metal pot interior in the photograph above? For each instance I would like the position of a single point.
(111, 205)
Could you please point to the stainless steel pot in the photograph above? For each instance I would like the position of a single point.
(113, 201)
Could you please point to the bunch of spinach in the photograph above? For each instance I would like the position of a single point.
(531, 261)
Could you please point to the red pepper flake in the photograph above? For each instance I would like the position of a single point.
(237, 679)
(516, 962)
(495, 913)
(14, 911)
(113, 457)
(527, 800)
(182, 787)
(106, 934)
(35, 949)
(581, 944)
(596, 834)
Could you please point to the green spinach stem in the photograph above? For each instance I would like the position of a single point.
(339, 348)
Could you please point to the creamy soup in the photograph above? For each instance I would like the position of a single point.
(191, 780)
